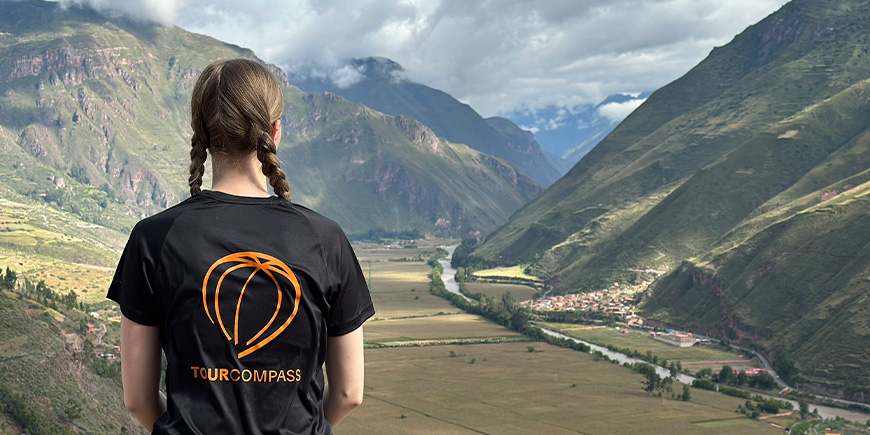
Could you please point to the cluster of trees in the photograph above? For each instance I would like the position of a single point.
(8, 280)
(40, 292)
(380, 234)
(29, 415)
(654, 384)
(755, 406)
(462, 256)
(729, 376)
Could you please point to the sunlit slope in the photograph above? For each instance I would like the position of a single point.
(745, 183)
(612, 209)
(798, 288)
(382, 86)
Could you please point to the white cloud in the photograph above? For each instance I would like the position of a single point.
(497, 56)
(161, 11)
(616, 112)
(347, 75)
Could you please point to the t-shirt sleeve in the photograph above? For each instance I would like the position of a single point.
(131, 286)
(350, 303)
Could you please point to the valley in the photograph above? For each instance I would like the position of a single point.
(420, 380)
(733, 203)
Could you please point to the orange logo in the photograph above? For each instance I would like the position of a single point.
(274, 269)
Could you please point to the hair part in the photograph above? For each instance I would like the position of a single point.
(234, 104)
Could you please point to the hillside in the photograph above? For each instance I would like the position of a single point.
(382, 87)
(761, 130)
(58, 377)
(93, 121)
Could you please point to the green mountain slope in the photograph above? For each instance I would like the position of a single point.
(758, 133)
(382, 87)
(58, 377)
(93, 120)
(800, 288)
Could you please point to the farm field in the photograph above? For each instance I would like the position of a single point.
(429, 385)
(400, 288)
(693, 358)
(505, 272)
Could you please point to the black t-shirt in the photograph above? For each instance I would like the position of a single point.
(245, 292)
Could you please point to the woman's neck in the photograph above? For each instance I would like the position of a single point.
(240, 176)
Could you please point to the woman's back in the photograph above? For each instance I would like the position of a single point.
(242, 291)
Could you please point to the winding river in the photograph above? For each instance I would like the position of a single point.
(452, 286)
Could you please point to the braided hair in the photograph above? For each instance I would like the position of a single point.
(233, 107)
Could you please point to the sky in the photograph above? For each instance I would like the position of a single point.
(499, 56)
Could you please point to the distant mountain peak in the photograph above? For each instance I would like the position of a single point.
(381, 84)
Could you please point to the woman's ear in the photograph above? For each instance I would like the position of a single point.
(276, 132)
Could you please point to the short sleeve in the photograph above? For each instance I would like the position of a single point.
(131, 286)
(350, 303)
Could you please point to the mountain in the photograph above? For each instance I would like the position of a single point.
(742, 182)
(94, 114)
(380, 83)
(94, 135)
(571, 132)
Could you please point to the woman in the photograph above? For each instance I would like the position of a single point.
(246, 293)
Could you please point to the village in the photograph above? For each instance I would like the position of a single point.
(619, 300)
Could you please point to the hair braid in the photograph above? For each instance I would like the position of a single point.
(267, 154)
(198, 156)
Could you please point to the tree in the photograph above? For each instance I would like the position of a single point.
(651, 380)
(726, 375)
(741, 378)
(785, 366)
(687, 393)
(10, 279)
(804, 408)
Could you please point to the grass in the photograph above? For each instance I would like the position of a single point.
(400, 288)
(505, 272)
(434, 327)
(88, 281)
(693, 358)
(504, 389)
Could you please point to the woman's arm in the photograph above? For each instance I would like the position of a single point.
(140, 372)
(344, 372)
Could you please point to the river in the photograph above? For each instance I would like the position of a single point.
(449, 274)
(824, 411)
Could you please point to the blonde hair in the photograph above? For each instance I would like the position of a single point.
(233, 106)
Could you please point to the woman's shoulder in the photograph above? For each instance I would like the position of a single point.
(161, 222)
(322, 225)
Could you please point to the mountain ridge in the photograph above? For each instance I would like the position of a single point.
(758, 133)
(380, 83)
(93, 120)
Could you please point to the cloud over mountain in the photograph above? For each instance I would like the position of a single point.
(496, 56)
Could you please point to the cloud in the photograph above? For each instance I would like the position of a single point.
(496, 56)
(347, 75)
(160, 11)
(616, 112)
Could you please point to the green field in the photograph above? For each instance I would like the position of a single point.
(504, 389)
(501, 387)
(693, 358)
(400, 288)
(506, 272)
